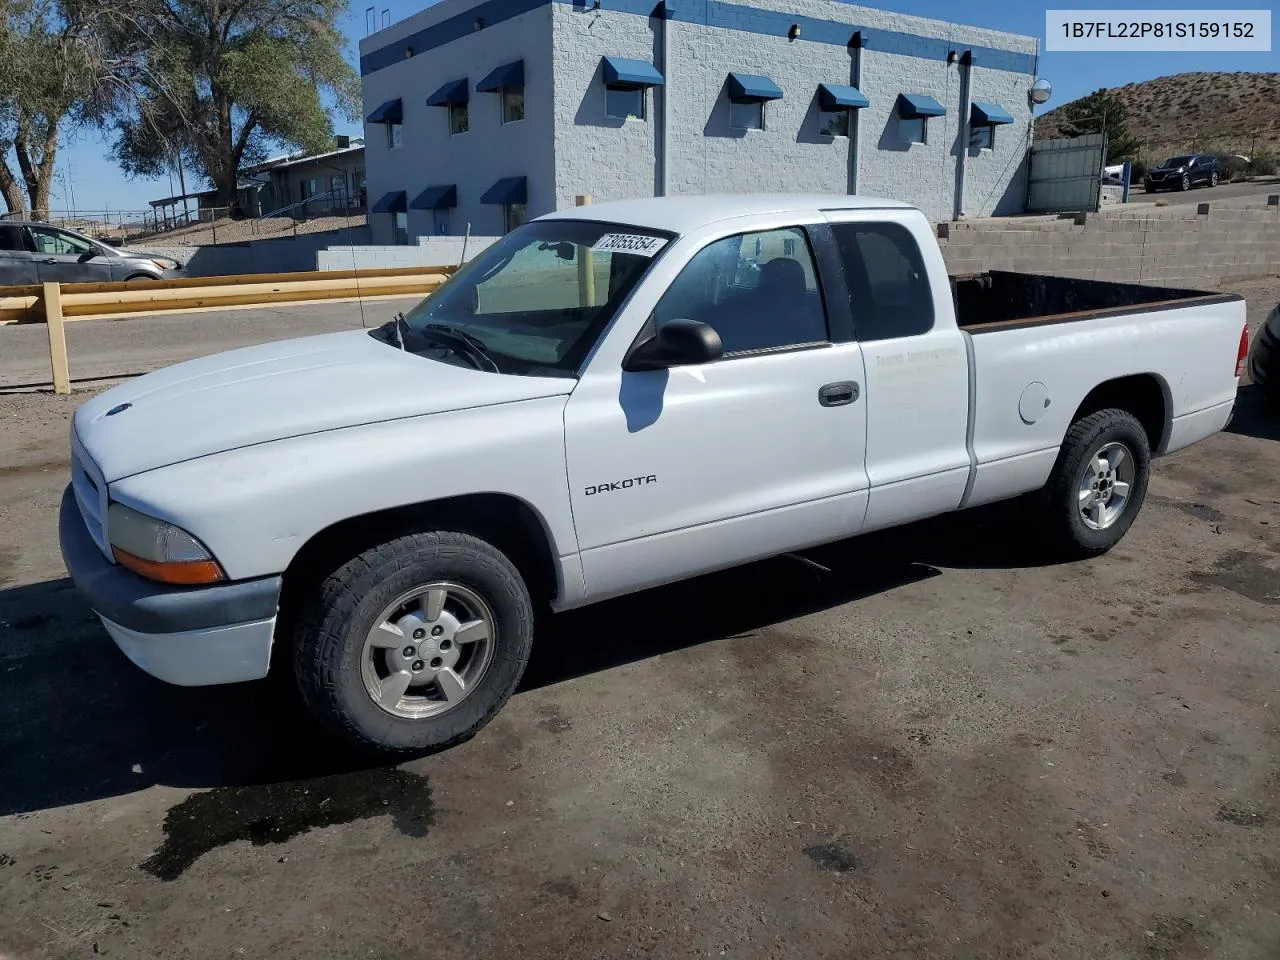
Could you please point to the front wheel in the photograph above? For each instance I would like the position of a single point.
(415, 644)
(1098, 484)
(1185, 182)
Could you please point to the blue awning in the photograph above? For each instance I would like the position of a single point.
(507, 77)
(392, 202)
(912, 106)
(989, 113)
(749, 86)
(389, 112)
(621, 72)
(436, 198)
(507, 190)
(453, 92)
(833, 96)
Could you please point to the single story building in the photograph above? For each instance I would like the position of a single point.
(481, 113)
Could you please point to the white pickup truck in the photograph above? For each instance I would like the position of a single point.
(608, 399)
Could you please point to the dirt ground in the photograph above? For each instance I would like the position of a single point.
(937, 749)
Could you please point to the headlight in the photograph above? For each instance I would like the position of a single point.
(165, 264)
(158, 550)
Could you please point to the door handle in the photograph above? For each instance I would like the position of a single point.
(50, 260)
(838, 394)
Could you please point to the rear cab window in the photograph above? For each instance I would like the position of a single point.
(889, 291)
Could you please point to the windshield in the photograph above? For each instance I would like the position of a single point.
(537, 300)
(1177, 162)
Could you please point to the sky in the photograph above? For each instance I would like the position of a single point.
(87, 175)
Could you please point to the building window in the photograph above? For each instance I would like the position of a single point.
(512, 105)
(402, 228)
(395, 135)
(834, 123)
(624, 103)
(746, 115)
(913, 129)
(513, 215)
(459, 118)
(982, 136)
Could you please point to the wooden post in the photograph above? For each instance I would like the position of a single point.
(586, 265)
(57, 338)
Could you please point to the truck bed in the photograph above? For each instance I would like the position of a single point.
(1001, 300)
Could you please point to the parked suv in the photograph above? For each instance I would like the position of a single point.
(33, 252)
(1184, 172)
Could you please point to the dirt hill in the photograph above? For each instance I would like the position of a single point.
(1211, 112)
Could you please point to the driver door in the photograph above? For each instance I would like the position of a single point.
(681, 471)
(64, 258)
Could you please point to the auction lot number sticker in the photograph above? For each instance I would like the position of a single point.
(629, 243)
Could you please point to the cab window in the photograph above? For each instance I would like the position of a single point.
(57, 242)
(889, 291)
(758, 290)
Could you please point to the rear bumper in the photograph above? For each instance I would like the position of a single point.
(190, 636)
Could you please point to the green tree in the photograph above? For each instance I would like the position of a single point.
(218, 80)
(52, 76)
(1101, 112)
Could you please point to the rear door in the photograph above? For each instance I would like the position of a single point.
(17, 263)
(65, 258)
(675, 472)
(917, 364)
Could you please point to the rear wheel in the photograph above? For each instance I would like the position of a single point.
(415, 644)
(1213, 179)
(1098, 484)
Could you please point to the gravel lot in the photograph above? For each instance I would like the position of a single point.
(936, 749)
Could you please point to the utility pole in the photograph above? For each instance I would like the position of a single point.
(182, 185)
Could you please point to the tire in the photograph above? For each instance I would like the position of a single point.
(1213, 179)
(1185, 183)
(138, 276)
(1069, 534)
(337, 668)
(1264, 357)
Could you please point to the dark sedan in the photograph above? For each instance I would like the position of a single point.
(1184, 172)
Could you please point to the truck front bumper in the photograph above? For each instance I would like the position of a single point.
(191, 636)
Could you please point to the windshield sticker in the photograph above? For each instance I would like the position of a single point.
(641, 246)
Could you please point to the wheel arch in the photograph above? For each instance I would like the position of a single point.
(507, 522)
(1145, 395)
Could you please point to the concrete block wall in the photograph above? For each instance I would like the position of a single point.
(427, 252)
(1174, 252)
(490, 150)
(614, 159)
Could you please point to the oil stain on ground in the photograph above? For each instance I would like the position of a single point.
(831, 856)
(275, 812)
(1243, 573)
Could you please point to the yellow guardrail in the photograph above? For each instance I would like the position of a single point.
(55, 304)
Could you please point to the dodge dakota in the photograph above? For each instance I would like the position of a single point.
(608, 399)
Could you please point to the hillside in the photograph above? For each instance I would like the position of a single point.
(1226, 112)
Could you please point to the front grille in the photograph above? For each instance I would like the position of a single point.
(90, 489)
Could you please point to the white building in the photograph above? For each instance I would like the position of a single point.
(485, 113)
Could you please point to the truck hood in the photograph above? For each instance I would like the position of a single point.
(278, 390)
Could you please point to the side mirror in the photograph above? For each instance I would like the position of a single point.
(678, 343)
(87, 256)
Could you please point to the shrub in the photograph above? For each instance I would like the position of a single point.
(1263, 165)
(1233, 167)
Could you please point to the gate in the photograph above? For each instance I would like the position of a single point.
(1066, 175)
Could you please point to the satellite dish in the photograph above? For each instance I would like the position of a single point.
(1041, 91)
